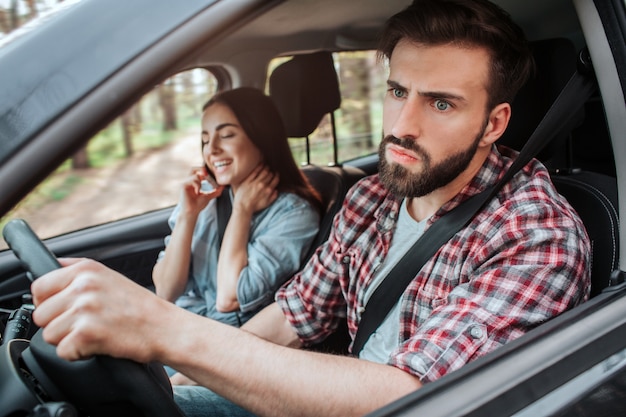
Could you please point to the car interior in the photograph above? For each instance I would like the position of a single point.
(306, 90)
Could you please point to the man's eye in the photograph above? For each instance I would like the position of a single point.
(398, 92)
(442, 105)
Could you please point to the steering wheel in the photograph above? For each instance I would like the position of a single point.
(98, 386)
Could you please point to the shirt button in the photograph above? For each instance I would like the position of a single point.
(476, 332)
(345, 259)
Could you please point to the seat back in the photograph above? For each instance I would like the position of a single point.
(555, 61)
(329, 184)
(304, 90)
(593, 195)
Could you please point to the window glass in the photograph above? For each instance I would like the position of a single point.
(358, 123)
(134, 165)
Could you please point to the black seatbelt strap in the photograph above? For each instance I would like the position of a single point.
(559, 117)
(224, 208)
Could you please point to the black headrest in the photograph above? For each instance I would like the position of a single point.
(305, 89)
(555, 61)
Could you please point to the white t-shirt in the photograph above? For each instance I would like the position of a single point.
(384, 340)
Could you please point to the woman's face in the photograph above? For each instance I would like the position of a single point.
(226, 148)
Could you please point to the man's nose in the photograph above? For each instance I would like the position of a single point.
(408, 123)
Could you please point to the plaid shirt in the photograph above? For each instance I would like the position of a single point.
(522, 261)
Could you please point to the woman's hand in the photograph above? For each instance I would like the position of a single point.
(193, 199)
(257, 191)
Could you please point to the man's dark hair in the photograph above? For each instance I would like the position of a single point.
(467, 23)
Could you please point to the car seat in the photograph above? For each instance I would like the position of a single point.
(593, 195)
(304, 90)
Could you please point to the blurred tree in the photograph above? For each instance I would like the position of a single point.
(126, 121)
(10, 19)
(354, 73)
(32, 9)
(187, 96)
(137, 117)
(80, 160)
(167, 101)
(5, 21)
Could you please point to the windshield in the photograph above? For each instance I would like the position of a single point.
(19, 17)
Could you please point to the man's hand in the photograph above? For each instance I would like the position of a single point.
(87, 308)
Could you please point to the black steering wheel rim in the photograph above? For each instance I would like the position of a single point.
(97, 386)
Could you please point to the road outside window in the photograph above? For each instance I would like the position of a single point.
(133, 166)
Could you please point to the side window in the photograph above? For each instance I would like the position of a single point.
(133, 166)
(358, 123)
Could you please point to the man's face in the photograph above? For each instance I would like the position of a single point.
(434, 118)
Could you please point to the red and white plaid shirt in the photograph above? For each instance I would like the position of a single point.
(523, 260)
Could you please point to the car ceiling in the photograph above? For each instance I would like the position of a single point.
(297, 26)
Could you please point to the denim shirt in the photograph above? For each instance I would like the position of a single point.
(280, 236)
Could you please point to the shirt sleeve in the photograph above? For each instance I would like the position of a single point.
(314, 301)
(171, 221)
(328, 288)
(514, 274)
(276, 251)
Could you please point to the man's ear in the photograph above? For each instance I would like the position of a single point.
(498, 121)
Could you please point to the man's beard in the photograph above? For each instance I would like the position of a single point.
(402, 183)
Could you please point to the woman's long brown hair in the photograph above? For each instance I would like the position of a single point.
(259, 118)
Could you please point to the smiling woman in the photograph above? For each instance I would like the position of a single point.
(232, 247)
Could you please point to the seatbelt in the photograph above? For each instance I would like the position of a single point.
(224, 208)
(571, 99)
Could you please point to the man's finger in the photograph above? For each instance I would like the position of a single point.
(51, 283)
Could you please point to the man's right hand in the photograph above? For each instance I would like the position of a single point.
(86, 308)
